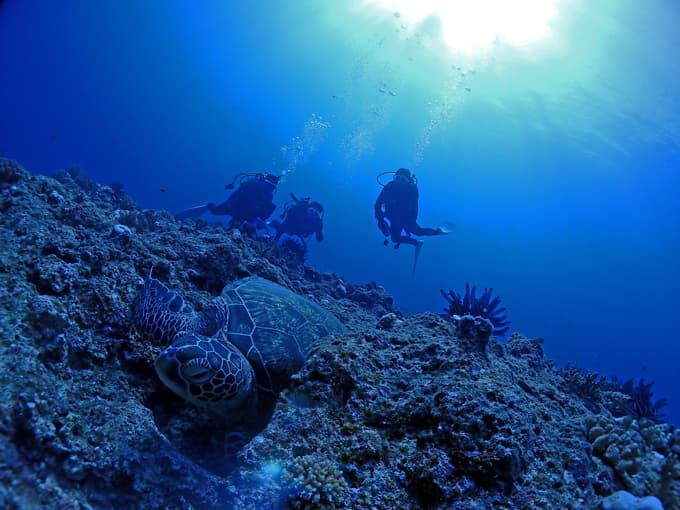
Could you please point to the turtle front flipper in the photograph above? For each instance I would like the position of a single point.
(161, 314)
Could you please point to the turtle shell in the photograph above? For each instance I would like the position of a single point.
(274, 328)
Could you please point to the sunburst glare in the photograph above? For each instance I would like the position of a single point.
(474, 26)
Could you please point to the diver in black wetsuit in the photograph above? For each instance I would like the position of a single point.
(396, 210)
(249, 205)
(302, 217)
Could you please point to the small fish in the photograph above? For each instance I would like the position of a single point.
(52, 138)
(162, 190)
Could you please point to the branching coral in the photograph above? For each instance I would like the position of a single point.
(482, 306)
(589, 386)
(641, 404)
(315, 483)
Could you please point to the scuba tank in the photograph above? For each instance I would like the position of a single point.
(270, 178)
(398, 174)
(305, 202)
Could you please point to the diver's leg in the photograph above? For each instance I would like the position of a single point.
(276, 225)
(280, 229)
(247, 227)
(395, 232)
(304, 243)
(220, 209)
(417, 230)
(410, 240)
(194, 212)
(398, 238)
(259, 223)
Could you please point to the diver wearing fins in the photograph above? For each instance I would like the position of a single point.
(301, 217)
(396, 210)
(249, 205)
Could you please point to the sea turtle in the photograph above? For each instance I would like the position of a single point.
(235, 356)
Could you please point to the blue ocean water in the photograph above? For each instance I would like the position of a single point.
(557, 161)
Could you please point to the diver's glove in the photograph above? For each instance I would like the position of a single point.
(384, 228)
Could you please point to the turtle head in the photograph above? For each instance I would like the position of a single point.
(208, 373)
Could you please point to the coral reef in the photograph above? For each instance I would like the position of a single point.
(313, 482)
(400, 412)
(477, 330)
(642, 455)
(293, 247)
(622, 500)
(589, 386)
(387, 321)
(482, 306)
(10, 173)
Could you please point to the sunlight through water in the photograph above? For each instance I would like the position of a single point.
(474, 26)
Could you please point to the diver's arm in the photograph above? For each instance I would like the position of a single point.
(412, 206)
(224, 208)
(377, 208)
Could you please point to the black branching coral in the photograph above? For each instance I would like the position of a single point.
(641, 404)
(482, 306)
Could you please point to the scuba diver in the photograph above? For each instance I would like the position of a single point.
(396, 210)
(249, 205)
(301, 217)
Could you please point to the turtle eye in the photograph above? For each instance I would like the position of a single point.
(196, 371)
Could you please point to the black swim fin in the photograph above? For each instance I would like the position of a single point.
(192, 213)
(418, 247)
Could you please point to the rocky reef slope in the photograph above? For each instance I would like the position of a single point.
(397, 413)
